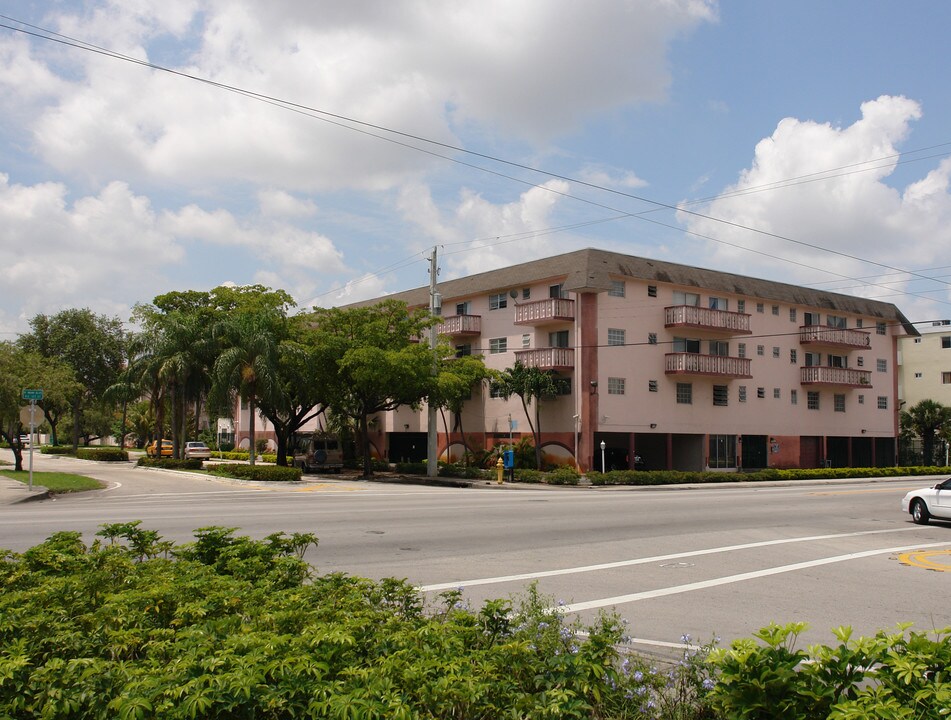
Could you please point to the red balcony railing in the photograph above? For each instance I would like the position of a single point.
(547, 358)
(549, 310)
(461, 325)
(693, 316)
(697, 364)
(848, 377)
(836, 337)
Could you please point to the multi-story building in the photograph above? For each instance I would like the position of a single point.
(925, 365)
(682, 367)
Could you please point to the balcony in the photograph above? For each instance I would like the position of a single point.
(547, 358)
(846, 377)
(721, 321)
(545, 312)
(833, 337)
(460, 325)
(712, 365)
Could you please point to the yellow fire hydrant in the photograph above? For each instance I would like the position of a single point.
(499, 470)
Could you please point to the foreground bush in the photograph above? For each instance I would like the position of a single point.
(675, 477)
(260, 473)
(230, 627)
(170, 463)
(103, 454)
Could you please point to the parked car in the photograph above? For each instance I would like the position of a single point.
(930, 502)
(197, 450)
(151, 448)
(319, 453)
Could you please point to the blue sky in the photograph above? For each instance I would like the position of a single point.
(119, 182)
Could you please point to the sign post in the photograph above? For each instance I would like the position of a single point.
(32, 395)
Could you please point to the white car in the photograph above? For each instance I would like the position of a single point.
(931, 502)
(197, 450)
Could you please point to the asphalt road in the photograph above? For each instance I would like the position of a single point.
(705, 562)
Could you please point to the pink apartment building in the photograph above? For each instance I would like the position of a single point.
(675, 366)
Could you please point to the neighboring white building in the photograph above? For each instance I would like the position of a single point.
(925, 365)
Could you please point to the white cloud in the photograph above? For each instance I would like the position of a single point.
(278, 203)
(850, 210)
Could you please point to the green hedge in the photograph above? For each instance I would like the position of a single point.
(677, 477)
(104, 454)
(170, 463)
(57, 450)
(242, 455)
(261, 473)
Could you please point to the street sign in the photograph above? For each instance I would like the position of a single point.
(32, 394)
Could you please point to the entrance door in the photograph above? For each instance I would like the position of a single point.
(755, 449)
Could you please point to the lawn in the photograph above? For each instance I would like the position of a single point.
(56, 482)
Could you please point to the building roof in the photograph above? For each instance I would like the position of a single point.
(591, 270)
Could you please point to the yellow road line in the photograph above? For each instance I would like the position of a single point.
(923, 559)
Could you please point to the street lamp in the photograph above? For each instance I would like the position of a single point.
(603, 447)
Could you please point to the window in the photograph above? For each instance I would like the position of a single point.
(792, 314)
(526, 293)
(464, 308)
(562, 385)
(880, 328)
(558, 339)
(759, 307)
(741, 306)
(860, 361)
(686, 298)
(881, 365)
(651, 386)
(837, 361)
(838, 402)
(463, 350)
(945, 342)
(811, 318)
(557, 291)
(861, 399)
(793, 356)
(651, 291)
(812, 399)
(775, 351)
(777, 394)
(760, 350)
(615, 386)
(918, 341)
(859, 323)
(836, 321)
(684, 393)
(615, 336)
(721, 394)
(498, 345)
(722, 451)
(498, 301)
(495, 391)
(741, 393)
(651, 338)
(617, 288)
(946, 378)
(813, 359)
(526, 341)
(760, 392)
(718, 303)
(720, 347)
(775, 310)
(793, 397)
(883, 402)
(741, 350)
(686, 345)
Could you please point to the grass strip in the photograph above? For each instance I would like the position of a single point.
(56, 482)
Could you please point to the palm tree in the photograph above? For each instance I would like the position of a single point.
(249, 363)
(927, 418)
(532, 386)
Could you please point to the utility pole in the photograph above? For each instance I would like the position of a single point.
(435, 308)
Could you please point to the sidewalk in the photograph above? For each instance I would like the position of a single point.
(13, 491)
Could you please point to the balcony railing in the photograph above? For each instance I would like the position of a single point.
(549, 310)
(732, 323)
(547, 358)
(836, 337)
(697, 364)
(461, 325)
(848, 377)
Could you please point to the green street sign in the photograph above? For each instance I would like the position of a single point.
(32, 394)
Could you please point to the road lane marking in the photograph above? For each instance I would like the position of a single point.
(923, 559)
(730, 579)
(867, 490)
(654, 559)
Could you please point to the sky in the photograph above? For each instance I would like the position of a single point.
(326, 148)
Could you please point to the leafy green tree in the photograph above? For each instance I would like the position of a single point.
(91, 344)
(371, 361)
(927, 419)
(454, 382)
(59, 385)
(14, 369)
(532, 386)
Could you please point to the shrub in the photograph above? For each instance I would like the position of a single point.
(104, 454)
(674, 477)
(460, 471)
(56, 450)
(170, 463)
(411, 468)
(526, 475)
(260, 473)
(563, 476)
(377, 464)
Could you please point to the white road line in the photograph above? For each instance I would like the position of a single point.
(644, 561)
(690, 587)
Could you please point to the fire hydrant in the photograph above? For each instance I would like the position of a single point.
(499, 470)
